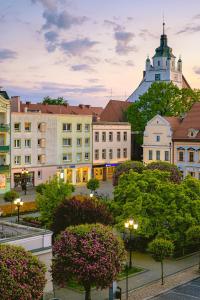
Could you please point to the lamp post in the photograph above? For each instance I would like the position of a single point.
(24, 178)
(18, 202)
(130, 225)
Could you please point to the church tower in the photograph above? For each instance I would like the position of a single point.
(162, 68)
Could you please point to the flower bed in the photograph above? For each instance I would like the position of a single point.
(10, 209)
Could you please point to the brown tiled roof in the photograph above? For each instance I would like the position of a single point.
(114, 111)
(191, 121)
(185, 84)
(174, 122)
(61, 109)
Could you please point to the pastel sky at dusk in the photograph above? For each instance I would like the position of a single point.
(89, 51)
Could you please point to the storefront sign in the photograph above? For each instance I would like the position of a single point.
(111, 165)
(72, 166)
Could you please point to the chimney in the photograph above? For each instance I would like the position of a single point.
(15, 104)
(81, 105)
(28, 102)
(88, 106)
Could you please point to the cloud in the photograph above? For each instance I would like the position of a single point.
(62, 20)
(190, 29)
(123, 39)
(197, 70)
(6, 54)
(77, 47)
(114, 25)
(48, 4)
(129, 63)
(82, 67)
(145, 33)
(197, 16)
(112, 62)
(51, 38)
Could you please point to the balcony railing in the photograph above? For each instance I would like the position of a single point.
(4, 127)
(4, 168)
(4, 148)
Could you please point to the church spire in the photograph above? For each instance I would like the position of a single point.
(163, 27)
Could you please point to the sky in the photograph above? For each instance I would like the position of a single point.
(89, 51)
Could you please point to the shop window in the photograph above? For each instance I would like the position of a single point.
(118, 136)
(79, 156)
(87, 127)
(125, 152)
(87, 142)
(96, 136)
(125, 136)
(27, 159)
(39, 174)
(118, 153)
(79, 127)
(110, 154)
(157, 155)
(79, 142)
(27, 143)
(110, 136)
(17, 160)
(87, 156)
(17, 127)
(104, 154)
(166, 155)
(181, 156)
(150, 154)
(96, 154)
(17, 143)
(104, 136)
(191, 156)
(27, 126)
(67, 142)
(67, 127)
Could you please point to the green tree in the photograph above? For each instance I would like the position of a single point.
(175, 174)
(161, 249)
(54, 101)
(10, 196)
(125, 167)
(93, 184)
(193, 237)
(53, 194)
(162, 98)
(89, 254)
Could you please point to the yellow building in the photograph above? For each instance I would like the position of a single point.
(4, 142)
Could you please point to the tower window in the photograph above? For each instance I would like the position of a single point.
(159, 63)
(157, 77)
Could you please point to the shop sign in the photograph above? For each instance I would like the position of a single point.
(112, 165)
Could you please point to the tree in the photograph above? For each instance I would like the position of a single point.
(193, 237)
(53, 194)
(162, 98)
(22, 275)
(93, 184)
(10, 196)
(40, 187)
(90, 254)
(175, 174)
(54, 101)
(125, 167)
(161, 249)
(80, 210)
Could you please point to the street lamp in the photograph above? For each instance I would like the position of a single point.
(130, 225)
(24, 180)
(91, 195)
(18, 202)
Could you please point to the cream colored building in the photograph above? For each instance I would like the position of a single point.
(157, 140)
(111, 146)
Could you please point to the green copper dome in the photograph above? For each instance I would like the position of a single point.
(164, 50)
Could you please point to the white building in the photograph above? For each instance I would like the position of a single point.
(111, 146)
(163, 68)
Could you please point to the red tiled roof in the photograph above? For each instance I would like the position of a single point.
(62, 109)
(114, 111)
(174, 122)
(191, 121)
(185, 84)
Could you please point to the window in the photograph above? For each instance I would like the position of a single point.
(167, 155)
(157, 155)
(125, 136)
(118, 136)
(27, 126)
(39, 158)
(104, 136)
(27, 159)
(39, 174)
(79, 127)
(96, 136)
(191, 174)
(79, 142)
(27, 143)
(110, 154)
(96, 154)
(87, 156)
(67, 142)
(118, 153)
(104, 154)
(150, 154)
(157, 138)
(67, 157)
(87, 127)
(17, 160)
(125, 152)
(17, 127)
(157, 77)
(191, 156)
(110, 136)
(67, 127)
(181, 156)
(78, 156)
(87, 141)
(17, 143)
(158, 63)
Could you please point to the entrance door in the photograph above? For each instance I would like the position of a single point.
(110, 171)
(98, 173)
(85, 174)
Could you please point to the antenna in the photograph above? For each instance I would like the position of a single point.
(163, 23)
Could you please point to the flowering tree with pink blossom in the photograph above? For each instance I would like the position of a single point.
(22, 275)
(90, 254)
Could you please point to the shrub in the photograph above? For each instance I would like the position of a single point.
(93, 184)
(40, 187)
(175, 174)
(89, 254)
(80, 210)
(26, 207)
(136, 166)
(11, 196)
(22, 275)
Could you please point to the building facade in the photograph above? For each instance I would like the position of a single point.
(163, 68)
(111, 146)
(4, 143)
(157, 140)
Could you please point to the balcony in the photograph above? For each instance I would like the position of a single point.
(4, 148)
(4, 168)
(4, 127)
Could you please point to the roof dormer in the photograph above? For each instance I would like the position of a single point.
(192, 133)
